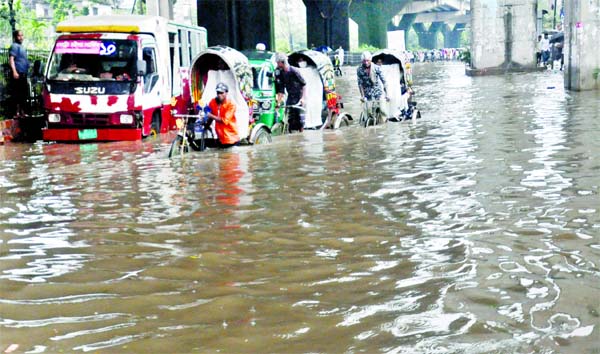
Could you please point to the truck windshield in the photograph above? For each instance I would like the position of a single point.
(93, 60)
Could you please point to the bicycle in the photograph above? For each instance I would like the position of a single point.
(282, 126)
(371, 113)
(192, 132)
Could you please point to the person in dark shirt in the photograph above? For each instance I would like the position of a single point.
(19, 65)
(288, 78)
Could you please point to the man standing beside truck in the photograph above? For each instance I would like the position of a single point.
(19, 65)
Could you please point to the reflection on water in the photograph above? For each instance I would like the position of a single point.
(474, 230)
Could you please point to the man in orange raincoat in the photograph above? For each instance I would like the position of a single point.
(222, 111)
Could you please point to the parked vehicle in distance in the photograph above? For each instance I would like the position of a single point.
(118, 77)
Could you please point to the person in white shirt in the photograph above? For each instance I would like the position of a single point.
(340, 53)
(545, 47)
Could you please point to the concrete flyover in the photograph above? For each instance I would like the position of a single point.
(429, 17)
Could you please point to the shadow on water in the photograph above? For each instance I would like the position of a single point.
(474, 230)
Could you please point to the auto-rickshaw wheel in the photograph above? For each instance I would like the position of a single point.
(277, 129)
(262, 137)
(155, 124)
(177, 146)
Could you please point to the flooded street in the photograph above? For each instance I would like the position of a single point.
(475, 229)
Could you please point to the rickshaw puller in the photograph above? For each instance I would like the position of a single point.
(290, 79)
(224, 117)
(368, 79)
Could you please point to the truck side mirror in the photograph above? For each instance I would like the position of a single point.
(141, 67)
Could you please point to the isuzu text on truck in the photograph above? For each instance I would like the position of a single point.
(118, 77)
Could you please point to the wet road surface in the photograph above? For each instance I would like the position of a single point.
(474, 230)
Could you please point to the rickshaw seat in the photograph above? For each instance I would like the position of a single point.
(314, 97)
(242, 112)
(391, 74)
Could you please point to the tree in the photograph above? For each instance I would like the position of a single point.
(61, 9)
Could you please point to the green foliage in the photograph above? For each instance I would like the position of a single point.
(595, 73)
(367, 47)
(61, 10)
(465, 38)
(465, 56)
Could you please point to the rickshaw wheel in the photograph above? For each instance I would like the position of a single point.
(378, 119)
(341, 121)
(262, 137)
(177, 146)
(277, 129)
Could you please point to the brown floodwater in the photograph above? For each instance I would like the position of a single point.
(475, 229)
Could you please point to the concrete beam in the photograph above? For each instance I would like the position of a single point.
(452, 35)
(581, 50)
(443, 16)
(428, 37)
(430, 5)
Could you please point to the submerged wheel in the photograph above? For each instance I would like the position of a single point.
(262, 137)
(342, 120)
(177, 146)
(379, 119)
(277, 129)
(155, 125)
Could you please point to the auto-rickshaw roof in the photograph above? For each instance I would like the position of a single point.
(234, 61)
(254, 54)
(389, 56)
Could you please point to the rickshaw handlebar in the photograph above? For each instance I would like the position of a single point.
(291, 106)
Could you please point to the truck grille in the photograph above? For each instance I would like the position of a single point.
(90, 119)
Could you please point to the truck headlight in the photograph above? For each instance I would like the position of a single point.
(126, 118)
(53, 118)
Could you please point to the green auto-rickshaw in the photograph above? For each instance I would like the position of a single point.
(263, 88)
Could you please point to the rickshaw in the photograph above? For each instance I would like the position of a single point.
(394, 70)
(211, 66)
(323, 104)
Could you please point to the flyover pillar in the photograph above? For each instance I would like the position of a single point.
(406, 24)
(371, 31)
(327, 23)
(503, 35)
(240, 24)
(452, 36)
(428, 37)
(581, 51)
(372, 17)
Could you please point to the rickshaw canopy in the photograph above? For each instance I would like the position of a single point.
(394, 72)
(320, 81)
(223, 64)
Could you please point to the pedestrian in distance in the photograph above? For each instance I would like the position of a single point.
(19, 67)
